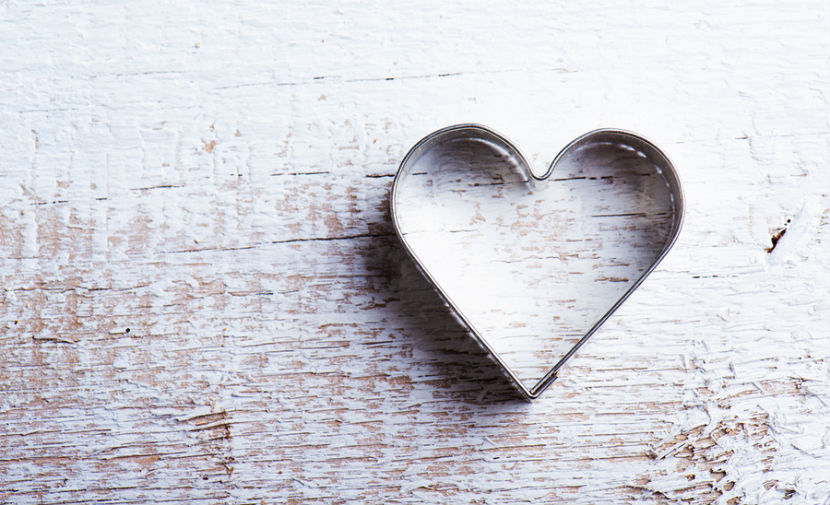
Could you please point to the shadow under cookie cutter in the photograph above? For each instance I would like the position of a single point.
(628, 140)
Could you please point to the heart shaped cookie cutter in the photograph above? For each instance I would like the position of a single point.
(627, 141)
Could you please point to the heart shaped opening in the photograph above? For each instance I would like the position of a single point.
(533, 266)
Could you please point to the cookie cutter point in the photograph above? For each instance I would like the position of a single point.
(631, 140)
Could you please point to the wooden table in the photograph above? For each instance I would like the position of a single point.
(203, 299)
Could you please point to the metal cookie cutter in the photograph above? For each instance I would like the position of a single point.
(423, 154)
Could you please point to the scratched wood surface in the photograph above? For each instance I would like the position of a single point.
(203, 299)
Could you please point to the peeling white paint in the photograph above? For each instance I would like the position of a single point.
(215, 178)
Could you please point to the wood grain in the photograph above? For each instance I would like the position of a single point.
(203, 300)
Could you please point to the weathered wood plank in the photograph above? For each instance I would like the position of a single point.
(215, 179)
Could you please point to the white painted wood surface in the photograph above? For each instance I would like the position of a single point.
(203, 299)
